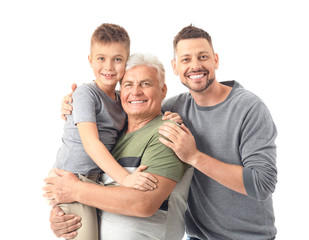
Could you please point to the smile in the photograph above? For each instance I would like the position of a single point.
(108, 75)
(197, 76)
(137, 102)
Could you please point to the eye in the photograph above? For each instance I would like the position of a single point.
(100, 58)
(185, 60)
(204, 57)
(127, 84)
(118, 59)
(145, 84)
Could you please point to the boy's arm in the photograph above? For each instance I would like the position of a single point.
(89, 135)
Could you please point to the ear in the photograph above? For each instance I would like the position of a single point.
(216, 57)
(174, 66)
(90, 60)
(164, 91)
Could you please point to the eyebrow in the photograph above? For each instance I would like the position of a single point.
(140, 81)
(100, 54)
(187, 54)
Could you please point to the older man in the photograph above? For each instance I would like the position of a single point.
(156, 214)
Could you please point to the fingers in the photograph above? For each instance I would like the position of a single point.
(166, 143)
(171, 131)
(150, 178)
(66, 108)
(60, 172)
(70, 235)
(144, 181)
(65, 103)
(141, 168)
(66, 228)
(175, 117)
(167, 113)
(74, 86)
(57, 211)
(64, 225)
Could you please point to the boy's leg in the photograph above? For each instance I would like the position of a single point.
(89, 228)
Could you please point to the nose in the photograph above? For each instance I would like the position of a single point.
(109, 66)
(136, 90)
(195, 64)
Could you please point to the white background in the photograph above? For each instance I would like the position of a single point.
(44, 48)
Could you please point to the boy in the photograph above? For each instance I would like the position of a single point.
(91, 131)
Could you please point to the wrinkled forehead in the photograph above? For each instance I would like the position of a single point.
(140, 73)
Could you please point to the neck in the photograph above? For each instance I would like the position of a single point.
(135, 123)
(109, 90)
(213, 95)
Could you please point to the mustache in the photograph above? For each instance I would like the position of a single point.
(202, 70)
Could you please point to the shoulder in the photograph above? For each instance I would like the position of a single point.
(86, 91)
(173, 103)
(180, 97)
(246, 98)
(84, 88)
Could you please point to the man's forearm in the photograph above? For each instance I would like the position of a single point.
(123, 200)
(230, 176)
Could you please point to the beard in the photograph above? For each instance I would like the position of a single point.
(200, 88)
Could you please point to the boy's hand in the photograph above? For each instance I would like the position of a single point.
(66, 108)
(140, 180)
(173, 117)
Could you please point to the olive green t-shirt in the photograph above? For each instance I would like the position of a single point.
(143, 147)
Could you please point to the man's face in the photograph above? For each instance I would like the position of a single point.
(141, 94)
(108, 62)
(195, 63)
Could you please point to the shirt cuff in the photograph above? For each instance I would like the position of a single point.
(249, 183)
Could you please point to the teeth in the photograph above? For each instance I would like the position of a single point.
(196, 76)
(137, 101)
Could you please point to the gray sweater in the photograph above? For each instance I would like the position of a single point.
(238, 131)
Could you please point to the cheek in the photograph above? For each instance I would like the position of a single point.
(96, 67)
(120, 69)
(182, 70)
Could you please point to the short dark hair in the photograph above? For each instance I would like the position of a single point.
(191, 32)
(109, 33)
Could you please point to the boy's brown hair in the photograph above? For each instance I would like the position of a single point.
(191, 32)
(111, 33)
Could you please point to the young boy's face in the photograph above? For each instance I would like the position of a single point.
(108, 61)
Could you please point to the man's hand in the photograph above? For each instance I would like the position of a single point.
(181, 141)
(66, 108)
(64, 226)
(61, 189)
(173, 117)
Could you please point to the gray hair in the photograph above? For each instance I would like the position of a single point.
(150, 60)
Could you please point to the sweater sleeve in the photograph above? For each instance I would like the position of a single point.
(258, 151)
